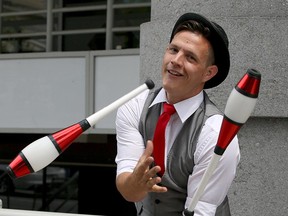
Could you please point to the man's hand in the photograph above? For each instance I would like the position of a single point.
(135, 186)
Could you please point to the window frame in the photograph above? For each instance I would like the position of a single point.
(51, 11)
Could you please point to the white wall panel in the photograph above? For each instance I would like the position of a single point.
(46, 92)
(41, 93)
(115, 76)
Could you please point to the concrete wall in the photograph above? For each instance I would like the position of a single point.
(258, 34)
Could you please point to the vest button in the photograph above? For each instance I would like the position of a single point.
(157, 201)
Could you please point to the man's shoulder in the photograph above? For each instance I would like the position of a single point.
(214, 122)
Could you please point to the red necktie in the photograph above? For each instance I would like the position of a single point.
(159, 136)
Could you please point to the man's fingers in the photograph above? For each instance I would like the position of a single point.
(152, 186)
(146, 159)
(149, 149)
(146, 174)
(158, 189)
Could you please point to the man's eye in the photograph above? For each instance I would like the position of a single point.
(190, 58)
(173, 50)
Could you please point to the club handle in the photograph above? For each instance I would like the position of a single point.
(204, 181)
(94, 118)
(188, 213)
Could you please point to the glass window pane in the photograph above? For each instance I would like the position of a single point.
(20, 5)
(17, 25)
(84, 20)
(131, 16)
(125, 40)
(27, 33)
(23, 24)
(22, 45)
(33, 44)
(82, 42)
(10, 46)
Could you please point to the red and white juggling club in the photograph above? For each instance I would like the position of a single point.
(45, 150)
(239, 107)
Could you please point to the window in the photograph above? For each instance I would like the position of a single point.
(71, 25)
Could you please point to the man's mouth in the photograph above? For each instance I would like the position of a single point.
(174, 73)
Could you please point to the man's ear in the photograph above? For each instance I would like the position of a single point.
(212, 70)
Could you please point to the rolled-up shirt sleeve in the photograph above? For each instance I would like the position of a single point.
(222, 178)
(130, 144)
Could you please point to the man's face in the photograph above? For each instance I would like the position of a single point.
(186, 66)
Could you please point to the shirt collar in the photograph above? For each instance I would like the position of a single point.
(183, 108)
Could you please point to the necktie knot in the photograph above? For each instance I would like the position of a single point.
(169, 108)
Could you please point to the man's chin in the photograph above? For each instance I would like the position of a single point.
(169, 86)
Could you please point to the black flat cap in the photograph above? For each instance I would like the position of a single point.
(219, 42)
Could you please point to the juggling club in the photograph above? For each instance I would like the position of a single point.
(45, 150)
(238, 109)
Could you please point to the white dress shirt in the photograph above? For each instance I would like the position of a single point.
(130, 147)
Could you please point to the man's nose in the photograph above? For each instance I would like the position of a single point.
(178, 59)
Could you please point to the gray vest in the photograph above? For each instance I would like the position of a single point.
(180, 161)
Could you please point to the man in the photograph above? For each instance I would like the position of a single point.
(196, 58)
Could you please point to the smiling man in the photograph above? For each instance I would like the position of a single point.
(161, 178)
